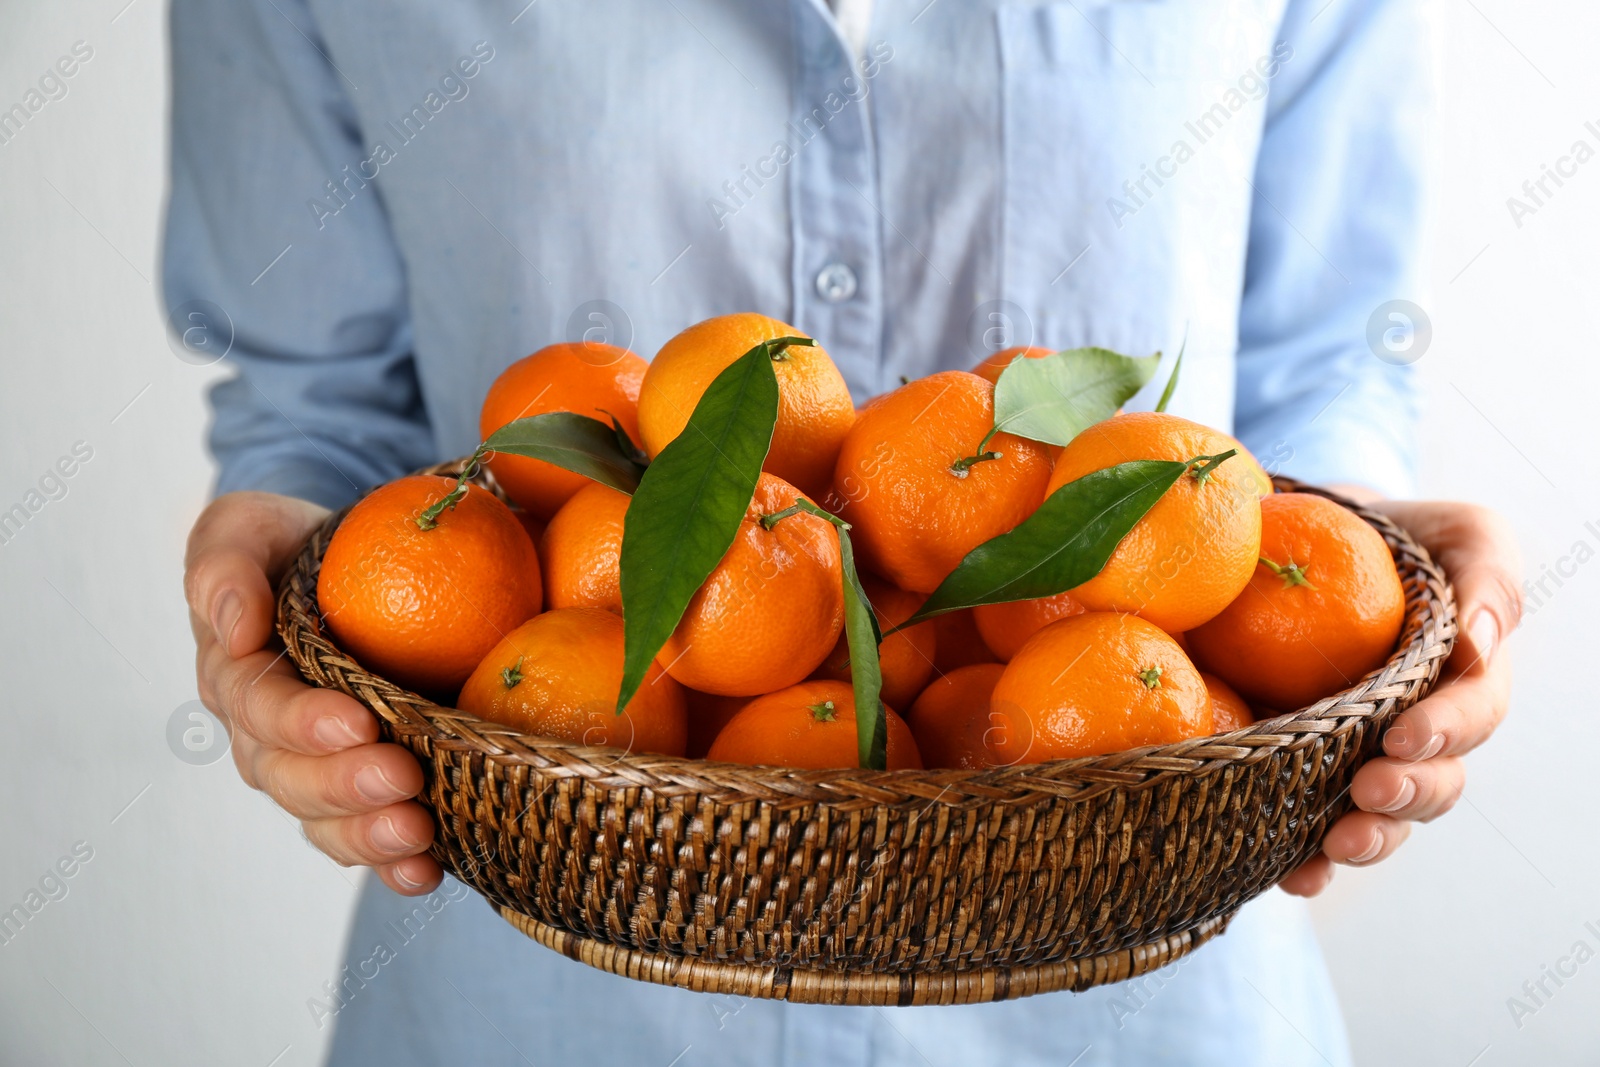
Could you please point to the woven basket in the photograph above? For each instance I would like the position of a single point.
(884, 887)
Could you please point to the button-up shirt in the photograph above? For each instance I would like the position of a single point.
(376, 207)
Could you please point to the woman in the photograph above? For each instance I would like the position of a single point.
(379, 209)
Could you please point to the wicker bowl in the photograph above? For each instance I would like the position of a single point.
(884, 887)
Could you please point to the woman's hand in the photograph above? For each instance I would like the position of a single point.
(1421, 774)
(314, 751)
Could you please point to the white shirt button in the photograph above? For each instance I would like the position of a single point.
(836, 283)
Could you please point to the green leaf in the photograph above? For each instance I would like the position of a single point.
(1172, 379)
(862, 638)
(686, 512)
(624, 442)
(1060, 546)
(866, 676)
(1055, 397)
(573, 442)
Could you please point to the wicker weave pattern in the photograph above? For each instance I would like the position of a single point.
(888, 887)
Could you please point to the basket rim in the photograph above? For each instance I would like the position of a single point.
(1427, 636)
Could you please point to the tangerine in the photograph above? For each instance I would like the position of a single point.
(991, 366)
(771, 610)
(534, 526)
(1092, 684)
(585, 377)
(959, 643)
(421, 606)
(1323, 607)
(1228, 709)
(918, 489)
(814, 406)
(1005, 627)
(905, 658)
(582, 550)
(810, 726)
(559, 675)
(1196, 548)
(708, 714)
(950, 720)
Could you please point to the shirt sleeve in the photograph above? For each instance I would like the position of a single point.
(1335, 235)
(311, 310)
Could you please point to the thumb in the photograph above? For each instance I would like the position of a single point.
(1479, 553)
(236, 551)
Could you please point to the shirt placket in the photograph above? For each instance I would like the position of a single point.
(837, 238)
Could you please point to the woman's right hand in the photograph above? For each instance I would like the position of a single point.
(314, 751)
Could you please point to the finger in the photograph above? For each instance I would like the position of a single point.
(374, 839)
(1310, 878)
(413, 876)
(1479, 552)
(1401, 789)
(355, 781)
(246, 752)
(1455, 718)
(262, 695)
(237, 547)
(1361, 838)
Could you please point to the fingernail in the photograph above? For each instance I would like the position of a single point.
(1484, 630)
(1372, 852)
(334, 732)
(400, 876)
(1408, 790)
(374, 786)
(387, 839)
(1435, 743)
(225, 616)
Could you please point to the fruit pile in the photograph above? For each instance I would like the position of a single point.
(716, 554)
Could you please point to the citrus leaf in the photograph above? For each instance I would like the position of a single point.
(1062, 545)
(624, 442)
(1172, 379)
(687, 509)
(866, 676)
(573, 442)
(1054, 398)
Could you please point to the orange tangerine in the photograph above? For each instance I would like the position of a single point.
(1005, 627)
(582, 550)
(917, 489)
(808, 726)
(1092, 684)
(588, 378)
(814, 406)
(950, 720)
(771, 610)
(559, 675)
(905, 659)
(1228, 709)
(1194, 551)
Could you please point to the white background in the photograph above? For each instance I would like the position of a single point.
(203, 923)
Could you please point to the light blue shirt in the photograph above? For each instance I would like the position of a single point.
(377, 207)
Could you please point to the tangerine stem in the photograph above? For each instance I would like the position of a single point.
(960, 467)
(777, 348)
(1151, 677)
(430, 518)
(1209, 464)
(770, 520)
(802, 504)
(512, 675)
(1293, 574)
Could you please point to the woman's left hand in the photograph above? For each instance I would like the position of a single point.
(1421, 774)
